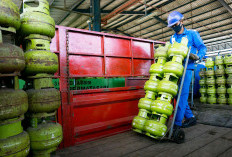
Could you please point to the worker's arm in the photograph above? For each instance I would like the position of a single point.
(198, 43)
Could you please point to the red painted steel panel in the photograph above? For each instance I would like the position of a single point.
(141, 49)
(107, 110)
(141, 67)
(117, 47)
(81, 43)
(91, 114)
(118, 66)
(85, 65)
(96, 118)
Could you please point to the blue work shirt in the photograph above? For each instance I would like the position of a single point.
(194, 40)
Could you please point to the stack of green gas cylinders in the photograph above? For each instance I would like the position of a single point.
(162, 86)
(202, 83)
(13, 101)
(37, 29)
(210, 81)
(228, 71)
(220, 80)
(218, 90)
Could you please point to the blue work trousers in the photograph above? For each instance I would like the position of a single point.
(183, 108)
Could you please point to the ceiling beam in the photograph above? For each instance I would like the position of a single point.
(172, 10)
(118, 10)
(138, 16)
(109, 11)
(225, 5)
(117, 30)
(70, 11)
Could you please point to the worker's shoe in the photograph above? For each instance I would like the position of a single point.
(189, 122)
(176, 127)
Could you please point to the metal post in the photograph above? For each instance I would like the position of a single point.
(96, 10)
(179, 93)
(192, 88)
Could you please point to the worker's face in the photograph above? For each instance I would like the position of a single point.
(177, 27)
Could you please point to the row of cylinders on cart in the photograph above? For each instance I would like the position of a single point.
(216, 81)
(157, 105)
(33, 109)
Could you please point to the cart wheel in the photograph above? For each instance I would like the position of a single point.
(179, 136)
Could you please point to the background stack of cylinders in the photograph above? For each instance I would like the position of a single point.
(37, 29)
(150, 87)
(210, 81)
(13, 102)
(203, 89)
(228, 71)
(220, 80)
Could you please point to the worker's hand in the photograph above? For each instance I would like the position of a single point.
(193, 56)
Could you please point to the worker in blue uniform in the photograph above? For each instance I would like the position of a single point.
(175, 21)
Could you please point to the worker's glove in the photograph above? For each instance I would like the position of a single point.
(193, 56)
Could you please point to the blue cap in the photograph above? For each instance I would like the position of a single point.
(174, 17)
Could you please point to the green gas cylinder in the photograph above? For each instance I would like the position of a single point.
(211, 89)
(38, 61)
(209, 63)
(156, 128)
(221, 89)
(45, 137)
(10, 127)
(145, 103)
(178, 49)
(219, 71)
(138, 124)
(203, 90)
(9, 14)
(43, 100)
(37, 42)
(210, 80)
(37, 23)
(11, 58)
(162, 107)
(228, 59)
(202, 72)
(157, 69)
(13, 103)
(151, 85)
(221, 80)
(42, 7)
(203, 99)
(202, 81)
(161, 51)
(222, 99)
(228, 69)
(212, 99)
(168, 85)
(15, 146)
(229, 89)
(173, 67)
(209, 73)
(144, 113)
(219, 60)
(229, 79)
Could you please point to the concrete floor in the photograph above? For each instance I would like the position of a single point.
(200, 141)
